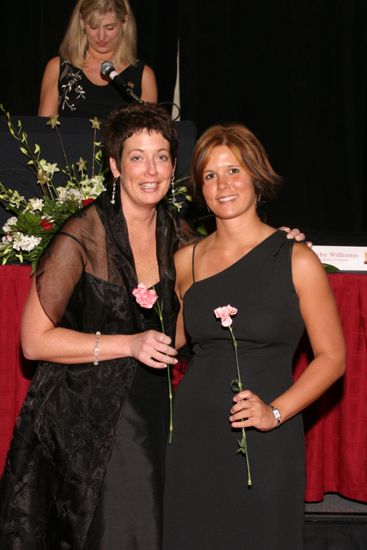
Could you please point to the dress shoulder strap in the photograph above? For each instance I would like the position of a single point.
(193, 261)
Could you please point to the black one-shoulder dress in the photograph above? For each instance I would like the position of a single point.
(208, 505)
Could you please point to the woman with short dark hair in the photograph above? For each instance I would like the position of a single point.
(86, 464)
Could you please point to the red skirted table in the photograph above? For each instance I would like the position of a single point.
(15, 371)
(336, 425)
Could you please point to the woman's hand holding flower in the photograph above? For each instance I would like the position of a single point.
(153, 349)
(148, 298)
(250, 411)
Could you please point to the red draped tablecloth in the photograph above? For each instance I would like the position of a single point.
(336, 425)
(15, 371)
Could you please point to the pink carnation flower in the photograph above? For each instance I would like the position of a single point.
(147, 298)
(144, 296)
(224, 313)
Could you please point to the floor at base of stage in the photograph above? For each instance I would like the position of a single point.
(336, 523)
(325, 531)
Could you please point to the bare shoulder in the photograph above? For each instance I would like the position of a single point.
(183, 255)
(148, 72)
(306, 267)
(183, 265)
(53, 66)
(51, 72)
(304, 256)
(149, 85)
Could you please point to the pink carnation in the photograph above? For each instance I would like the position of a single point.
(144, 296)
(224, 314)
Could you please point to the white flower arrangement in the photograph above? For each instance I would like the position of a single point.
(26, 234)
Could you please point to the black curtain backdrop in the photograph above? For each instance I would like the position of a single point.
(32, 32)
(295, 72)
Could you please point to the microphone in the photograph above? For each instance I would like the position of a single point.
(108, 70)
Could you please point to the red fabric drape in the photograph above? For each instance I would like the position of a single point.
(15, 371)
(336, 425)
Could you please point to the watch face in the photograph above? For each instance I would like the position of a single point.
(276, 414)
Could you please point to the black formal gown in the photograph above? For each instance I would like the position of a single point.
(129, 513)
(85, 466)
(79, 97)
(208, 505)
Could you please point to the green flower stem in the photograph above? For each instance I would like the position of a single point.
(67, 165)
(158, 308)
(242, 445)
(170, 396)
(94, 150)
(239, 382)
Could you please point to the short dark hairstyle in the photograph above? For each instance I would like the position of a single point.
(247, 149)
(122, 123)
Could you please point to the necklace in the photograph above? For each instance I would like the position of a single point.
(91, 59)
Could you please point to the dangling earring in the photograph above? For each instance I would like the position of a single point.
(259, 198)
(173, 190)
(114, 190)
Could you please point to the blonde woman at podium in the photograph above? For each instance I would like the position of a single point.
(73, 84)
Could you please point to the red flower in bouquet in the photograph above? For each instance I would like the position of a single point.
(148, 298)
(46, 225)
(225, 313)
(87, 201)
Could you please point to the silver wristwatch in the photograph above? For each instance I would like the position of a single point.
(276, 414)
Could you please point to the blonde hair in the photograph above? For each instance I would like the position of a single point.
(246, 148)
(75, 44)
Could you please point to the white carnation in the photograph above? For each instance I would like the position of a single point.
(7, 239)
(68, 194)
(25, 242)
(8, 227)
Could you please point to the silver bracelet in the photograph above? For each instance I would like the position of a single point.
(96, 349)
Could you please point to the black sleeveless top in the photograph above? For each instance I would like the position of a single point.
(79, 97)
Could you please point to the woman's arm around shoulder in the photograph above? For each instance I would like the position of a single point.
(149, 91)
(49, 96)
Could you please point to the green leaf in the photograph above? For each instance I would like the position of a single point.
(201, 229)
(330, 268)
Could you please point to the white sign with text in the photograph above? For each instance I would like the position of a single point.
(344, 258)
